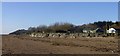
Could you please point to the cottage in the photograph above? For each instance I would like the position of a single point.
(94, 32)
(118, 32)
(111, 30)
(61, 31)
(99, 30)
(85, 31)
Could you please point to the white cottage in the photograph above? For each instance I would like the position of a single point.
(111, 30)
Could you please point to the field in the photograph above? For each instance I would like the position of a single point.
(29, 45)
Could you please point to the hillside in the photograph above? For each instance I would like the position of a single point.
(68, 28)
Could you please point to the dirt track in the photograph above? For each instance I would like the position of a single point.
(29, 45)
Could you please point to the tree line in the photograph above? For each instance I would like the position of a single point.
(68, 27)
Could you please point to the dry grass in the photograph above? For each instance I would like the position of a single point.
(25, 44)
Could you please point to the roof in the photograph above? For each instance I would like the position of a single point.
(111, 29)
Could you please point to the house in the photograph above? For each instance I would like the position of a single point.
(118, 31)
(99, 30)
(61, 31)
(111, 30)
(94, 32)
(85, 31)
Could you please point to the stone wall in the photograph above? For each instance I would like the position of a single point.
(56, 35)
(65, 35)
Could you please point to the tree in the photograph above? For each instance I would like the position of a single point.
(19, 32)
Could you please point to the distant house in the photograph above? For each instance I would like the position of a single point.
(94, 32)
(98, 30)
(61, 31)
(85, 31)
(111, 30)
(118, 31)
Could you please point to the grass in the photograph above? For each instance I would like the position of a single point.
(95, 44)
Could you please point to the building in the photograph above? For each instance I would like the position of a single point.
(111, 30)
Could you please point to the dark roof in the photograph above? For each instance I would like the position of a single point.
(99, 30)
(61, 31)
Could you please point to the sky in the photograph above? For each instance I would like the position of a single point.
(22, 15)
(60, 0)
(0, 18)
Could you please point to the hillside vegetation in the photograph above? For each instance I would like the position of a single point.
(68, 27)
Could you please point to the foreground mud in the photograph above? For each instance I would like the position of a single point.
(29, 45)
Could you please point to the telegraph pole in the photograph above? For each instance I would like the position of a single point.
(106, 29)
